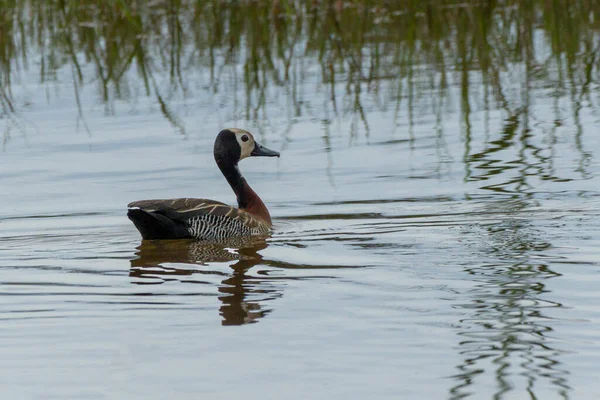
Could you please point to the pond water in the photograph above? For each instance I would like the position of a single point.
(434, 205)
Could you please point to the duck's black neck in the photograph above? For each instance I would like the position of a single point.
(236, 181)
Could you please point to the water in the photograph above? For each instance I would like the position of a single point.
(435, 233)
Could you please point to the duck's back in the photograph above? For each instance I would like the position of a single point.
(193, 218)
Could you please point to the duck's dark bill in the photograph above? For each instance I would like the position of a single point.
(260, 150)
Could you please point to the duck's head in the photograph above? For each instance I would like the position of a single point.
(233, 145)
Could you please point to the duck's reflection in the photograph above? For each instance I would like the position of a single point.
(242, 295)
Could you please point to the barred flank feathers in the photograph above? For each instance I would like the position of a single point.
(205, 219)
(217, 227)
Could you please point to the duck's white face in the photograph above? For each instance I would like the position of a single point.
(245, 140)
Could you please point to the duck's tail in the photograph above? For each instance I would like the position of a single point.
(154, 225)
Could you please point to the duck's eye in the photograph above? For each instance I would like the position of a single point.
(245, 138)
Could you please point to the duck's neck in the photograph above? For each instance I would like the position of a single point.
(247, 198)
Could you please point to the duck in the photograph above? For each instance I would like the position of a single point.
(210, 220)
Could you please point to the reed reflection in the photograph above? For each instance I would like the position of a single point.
(249, 54)
(507, 329)
(244, 296)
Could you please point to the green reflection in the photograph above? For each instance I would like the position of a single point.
(381, 52)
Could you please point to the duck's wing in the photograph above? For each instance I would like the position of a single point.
(193, 218)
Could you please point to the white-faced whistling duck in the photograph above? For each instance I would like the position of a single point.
(208, 219)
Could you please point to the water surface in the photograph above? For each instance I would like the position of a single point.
(434, 205)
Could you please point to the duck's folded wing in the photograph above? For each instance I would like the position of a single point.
(198, 218)
(180, 208)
